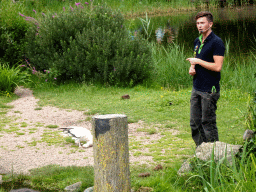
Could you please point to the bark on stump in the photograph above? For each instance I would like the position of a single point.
(111, 153)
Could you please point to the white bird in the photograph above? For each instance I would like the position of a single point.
(80, 134)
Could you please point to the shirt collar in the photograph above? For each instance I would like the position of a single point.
(207, 38)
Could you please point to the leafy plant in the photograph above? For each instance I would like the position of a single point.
(146, 26)
(11, 77)
(85, 45)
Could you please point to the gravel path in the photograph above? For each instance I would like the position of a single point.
(19, 156)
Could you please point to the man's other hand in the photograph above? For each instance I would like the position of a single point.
(192, 70)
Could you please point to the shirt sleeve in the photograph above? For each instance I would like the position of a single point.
(219, 48)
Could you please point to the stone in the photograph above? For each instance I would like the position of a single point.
(126, 96)
(90, 189)
(185, 167)
(144, 175)
(1, 179)
(248, 134)
(23, 190)
(221, 150)
(144, 189)
(73, 188)
(204, 152)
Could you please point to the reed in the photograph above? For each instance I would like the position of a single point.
(171, 68)
(221, 176)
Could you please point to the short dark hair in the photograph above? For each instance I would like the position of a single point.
(206, 14)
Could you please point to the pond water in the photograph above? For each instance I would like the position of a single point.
(235, 26)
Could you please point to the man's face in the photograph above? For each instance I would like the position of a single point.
(203, 24)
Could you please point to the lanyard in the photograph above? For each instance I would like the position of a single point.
(202, 44)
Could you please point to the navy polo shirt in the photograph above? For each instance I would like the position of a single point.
(205, 79)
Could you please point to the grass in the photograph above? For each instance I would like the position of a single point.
(151, 105)
(51, 178)
(132, 8)
(23, 124)
(10, 77)
(129, 8)
(154, 102)
(52, 126)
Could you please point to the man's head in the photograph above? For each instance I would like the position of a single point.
(204, 21)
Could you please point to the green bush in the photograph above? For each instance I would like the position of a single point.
(10, 77)
(89, 45)
(12, 33)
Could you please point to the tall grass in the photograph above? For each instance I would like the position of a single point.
(140, 6)
(11, 77)
(223, 176)
(171, 68)
(239, 72)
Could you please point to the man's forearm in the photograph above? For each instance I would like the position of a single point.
(215, 66)
(210, 66)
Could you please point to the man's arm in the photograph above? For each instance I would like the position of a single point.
(216, 66)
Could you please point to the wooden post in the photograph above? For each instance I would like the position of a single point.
(111, 153)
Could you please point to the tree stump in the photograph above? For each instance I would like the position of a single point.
(111, 153)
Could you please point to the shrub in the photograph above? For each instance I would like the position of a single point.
(12, 33)
(89, 45)
(10, 77)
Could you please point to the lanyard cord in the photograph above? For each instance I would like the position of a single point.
(202, 44)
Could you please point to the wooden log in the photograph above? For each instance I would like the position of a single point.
(111, 153)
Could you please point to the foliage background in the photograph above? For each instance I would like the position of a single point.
(91, 46)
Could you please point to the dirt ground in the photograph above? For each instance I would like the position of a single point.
(17, 155)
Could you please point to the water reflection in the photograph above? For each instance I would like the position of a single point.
(236, 25)
(166, 34)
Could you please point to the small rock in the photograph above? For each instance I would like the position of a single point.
(126, 97)
(158, 167)
(73, 188)
(205, 150)
(185, 167)
(144, 174)
(90, 189)
(145, 189)
(248, 134)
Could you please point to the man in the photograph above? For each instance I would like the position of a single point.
(205, 69)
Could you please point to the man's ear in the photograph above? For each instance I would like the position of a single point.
(211, 24)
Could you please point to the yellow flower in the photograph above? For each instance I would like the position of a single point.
(161, 96)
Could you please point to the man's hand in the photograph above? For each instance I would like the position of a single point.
(192, 70)
(193, 61)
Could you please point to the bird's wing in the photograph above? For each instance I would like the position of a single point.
(69, 130)
(79, 132)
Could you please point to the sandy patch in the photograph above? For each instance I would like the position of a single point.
(18, 156)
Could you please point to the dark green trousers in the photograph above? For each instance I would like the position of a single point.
(203, 106)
